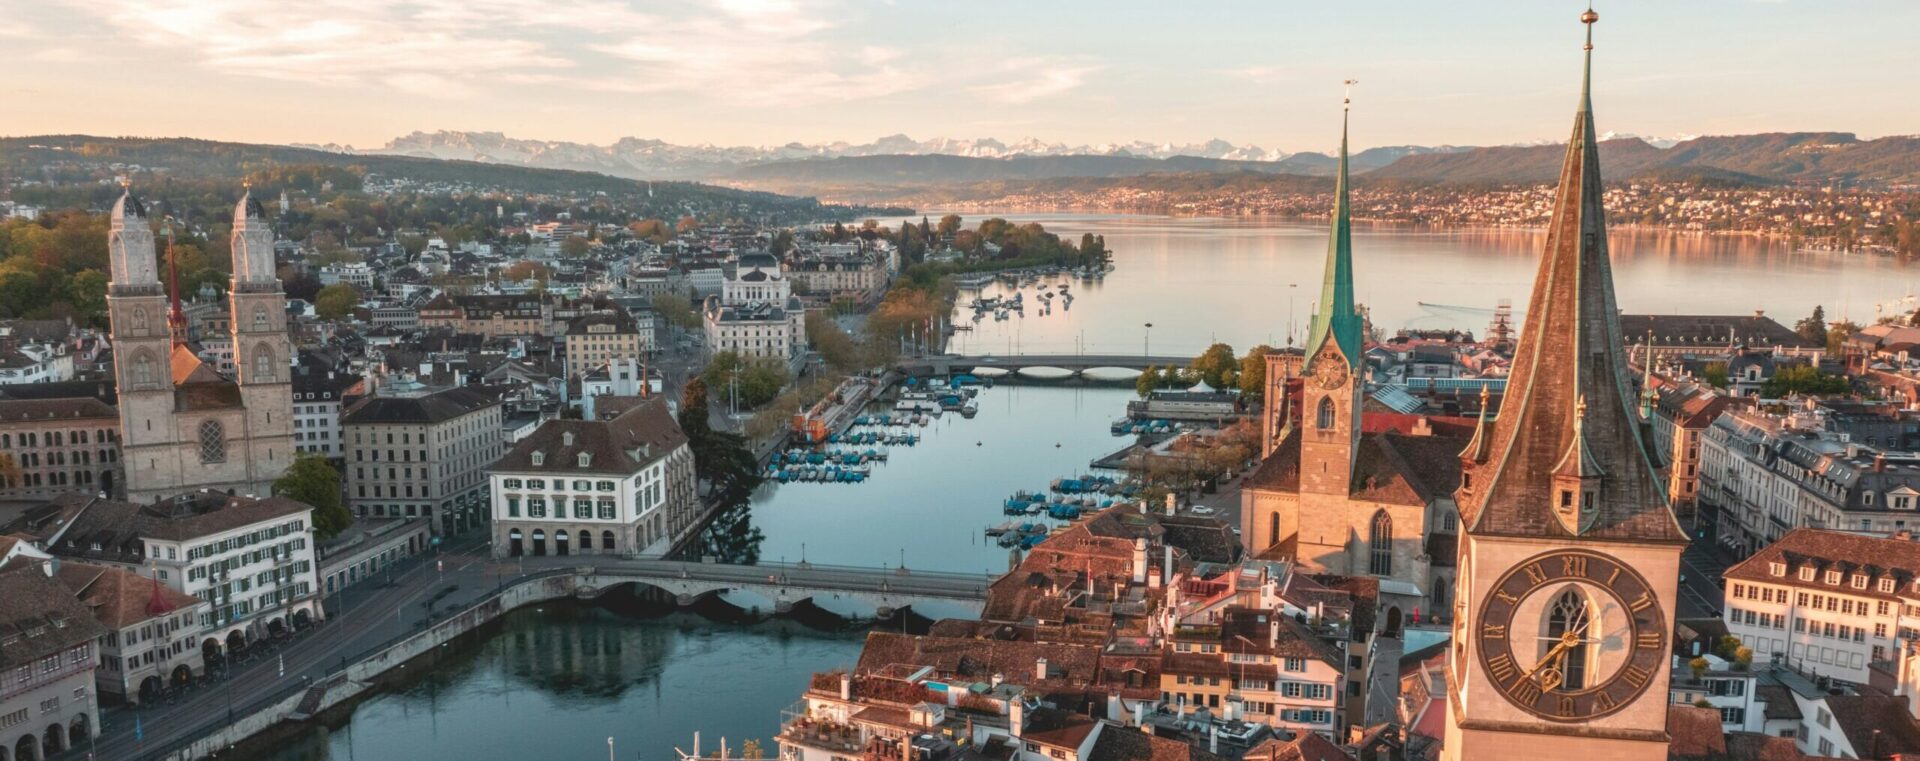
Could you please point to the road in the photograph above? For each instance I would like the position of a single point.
(1700, 570)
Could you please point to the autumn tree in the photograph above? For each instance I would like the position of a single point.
(336, 301)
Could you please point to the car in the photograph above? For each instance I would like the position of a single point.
(1201, 510)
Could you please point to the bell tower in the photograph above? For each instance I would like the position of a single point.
(142, 343)
(262, 353)
(1330, 390)
(1569, 559)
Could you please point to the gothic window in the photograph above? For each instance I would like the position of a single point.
(1324, 419)
(1273, 528)
(142, 369)
(1380, 545)
(1570, 614)
(259, 318)
(262, 364)
(213, 442)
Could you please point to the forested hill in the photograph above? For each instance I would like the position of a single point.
(1779, 157)
(66, 164)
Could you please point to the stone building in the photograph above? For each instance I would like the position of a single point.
(48, 703)
(317, 398)
(52, 446)
(622, 484)
(153, 631)
(595, 339)
(1826, 601)
(184, 425)
(422, 454)
(756, 314)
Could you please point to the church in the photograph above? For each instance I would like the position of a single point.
(1348, 490)
(184, 425)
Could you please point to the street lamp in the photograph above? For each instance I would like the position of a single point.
(1146, 343)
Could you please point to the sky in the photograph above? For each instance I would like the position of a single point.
(767, 72)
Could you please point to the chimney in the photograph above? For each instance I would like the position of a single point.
(1879, 462)
(1116, 712)
(998, 678)
(1139, 713)
(1140, 560)
(1039, 669)
(1213, 738)
(846, 686)
(1017, 716)
(1273, 631)
(1172, 502)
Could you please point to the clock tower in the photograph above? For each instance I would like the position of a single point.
(1569, 563)
(1334, 360)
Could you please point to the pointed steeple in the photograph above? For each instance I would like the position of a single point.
(1482, 441)
(176, 317)
(1338, 319)
(1569, 391)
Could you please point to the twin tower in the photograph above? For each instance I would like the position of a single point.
(184, 425)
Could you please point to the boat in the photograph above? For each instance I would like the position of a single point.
(970, 409)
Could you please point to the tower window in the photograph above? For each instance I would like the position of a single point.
(213, 442)
(1568, 619)
(1324, 418)
(1380, 545)
(142, 369)
(263, 364)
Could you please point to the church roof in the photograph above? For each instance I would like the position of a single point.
(1389, 467)
(248, 208)
(128, 206)
(188, 368)
(1339, 319)
(1571, 350)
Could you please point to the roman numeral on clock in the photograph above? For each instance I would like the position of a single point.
(1604, 702)
(1573, 565)
(1537, 574)
(1566, 707)
(1502, 596)
(1643, 602)
(1524, 690)
(1502, 667)
(1493, 631)
(1648, 641)
(1635, 676)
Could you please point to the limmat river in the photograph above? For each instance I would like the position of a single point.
(555, 683)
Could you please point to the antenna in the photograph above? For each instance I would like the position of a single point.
(1347, 100)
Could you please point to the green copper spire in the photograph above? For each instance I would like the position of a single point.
(1338, 320)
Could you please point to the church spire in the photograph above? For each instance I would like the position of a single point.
(1569, 390)
(176, 317)
(1338, 319)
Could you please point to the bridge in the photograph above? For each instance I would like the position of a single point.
(1075, 364)
(783, 584)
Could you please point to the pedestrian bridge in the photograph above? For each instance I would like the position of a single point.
(885, 590)
(1075, 364)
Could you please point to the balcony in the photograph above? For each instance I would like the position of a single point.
(825, 734)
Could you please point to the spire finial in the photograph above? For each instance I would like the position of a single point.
(1589, 18)
(126, 183)
(247, 183)
(1346, 102)
(1579, 413)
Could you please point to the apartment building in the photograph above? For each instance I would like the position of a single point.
(619, 485)
(1681, 415)
(597, 338)
(153, 631)
(1765, 474)
(317, 396)
(1830, 601)
(423, 454)
(54, 446)
(1258, 666)
(48, 703)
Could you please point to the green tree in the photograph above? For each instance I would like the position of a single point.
(1214, 365)
(751, 381)
(1803, 379)
(574, 247)
(1148, 380)
(89, 292)
(949, 225)
(676, 310)
(1814, 326)
(1837, 335)
(1253, 370)
(312, 481)
(336, 301)
(835, 346)
(1715, 373)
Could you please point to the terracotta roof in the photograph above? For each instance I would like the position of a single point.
(1307, 747)
(188, 368)
(25, 410)
(1061, 729)
(1825, 550)
(1877, 726)
(623, 445)
(120, 598)
(1117, 743)
(39, 617)
(1696, 733)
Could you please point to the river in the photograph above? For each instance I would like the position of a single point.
(555, 683)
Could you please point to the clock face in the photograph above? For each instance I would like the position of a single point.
(1331, 373)
(1572, 635)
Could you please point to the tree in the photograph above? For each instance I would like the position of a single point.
(1214, 365)
(750, 381)
(949, 225)
(676, 310)
(834, 345)
(1814, 327)
(336, 301)
(310, 480)
(782, 242)
(686, 224)
(1699, 665)
(1148, 380)
(1803, 379)
(89, 292)
(1253, 370)
(574, 247)
(1837, 335)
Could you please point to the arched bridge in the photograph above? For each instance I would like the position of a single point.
(1077, 364)
(885, 589)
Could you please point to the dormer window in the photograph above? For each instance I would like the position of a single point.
(1777, 568)
(1859, 581)
(1833, 577)
(586, 458)
(1806, 573)
(1886, 586)
(566, 438)
(539, 458)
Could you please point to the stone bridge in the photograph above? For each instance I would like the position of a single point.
(885, 589)
(1076, 364)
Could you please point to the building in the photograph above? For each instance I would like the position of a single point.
(52, 446)
(621, 484)
(183, 425)
(152, 641)
(1826, 601)
(317, 396)
(400, 316)
(422, 455)
(1259, 666)
(1676, 337)
(34, 363)
(356, 274)
(755, 314)
(1566, 527)
(490, 315)
(1341, 492)
(1681, 415)
(595, 339)
(250, 559)
(369, 547)
(48, 653)
(848, 272)
(1765, 474)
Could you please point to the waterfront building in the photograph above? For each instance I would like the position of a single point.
(251, 560)
(755, 314)
(1764, 474)
(317, 397)
(152, 638)
(1344, 492)
(1567, 530)
(597, 338)
(184, 425)
(48, 652)
(420, 453)
(52, 446)
(851, 272)
(620, 484)
(1679, 337)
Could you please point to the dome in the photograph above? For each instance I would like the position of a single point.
(128, 206)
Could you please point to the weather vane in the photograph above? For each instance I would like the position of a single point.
(1589, 18)
(1347, 100)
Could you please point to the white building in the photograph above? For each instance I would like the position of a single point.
(1826, 601)
(351, 273)
(153, 630)
(755, 314)
(316, 410)
(36, 363)
(621, 484)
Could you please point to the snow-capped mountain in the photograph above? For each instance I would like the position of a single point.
(648, 158)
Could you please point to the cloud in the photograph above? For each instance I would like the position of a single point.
(1024, 80)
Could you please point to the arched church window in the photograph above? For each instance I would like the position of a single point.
(1568, 621)
(1324, 418)
(259, 318)
(263, 364)
(213, 442)
(1380, 545)
(142, 369)
(1273, 528)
